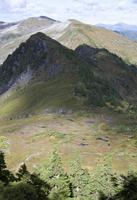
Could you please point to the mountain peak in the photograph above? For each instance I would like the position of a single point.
(33, 24)
(41, 42)
(38, 53)
(39, 35)
(48, 18)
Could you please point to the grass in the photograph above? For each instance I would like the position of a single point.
(3, 143)
(79, 33)
(46, 115)
(34, 125)
(34, 138)
(48, 133)
(42, 96)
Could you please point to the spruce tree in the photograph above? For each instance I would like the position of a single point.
(80, 180)
(103, 181)
(5, 175)
(23, 173)
(41, 187)
(57, 179)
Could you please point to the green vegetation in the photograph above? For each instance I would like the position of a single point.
(63, 80)
(48, 133)
(51, 96)
(91, 135)
(3, 143)
(52, 182)
(76, 106)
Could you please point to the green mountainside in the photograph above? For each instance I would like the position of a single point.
(60, 78)
(67, 86)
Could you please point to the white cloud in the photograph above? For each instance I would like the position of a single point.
(90, 11)
(11, 5)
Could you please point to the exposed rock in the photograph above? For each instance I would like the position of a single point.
(83, 144)
(103, 139)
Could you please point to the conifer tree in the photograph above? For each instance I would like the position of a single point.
(20, 191)
(41, 187)
(57, 179)
(103, 181)
(80, 179)
(5, 175)
(23, 173)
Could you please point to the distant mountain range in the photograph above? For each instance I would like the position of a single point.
(129, 31)
(71, 34)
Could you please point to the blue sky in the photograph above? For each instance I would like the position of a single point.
(89, 11)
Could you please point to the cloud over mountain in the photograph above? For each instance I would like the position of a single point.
(90, 11)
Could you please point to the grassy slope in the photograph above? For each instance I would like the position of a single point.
(41, 95)
(53, 94)
(78, 33)
(33, 139)
(74, 75)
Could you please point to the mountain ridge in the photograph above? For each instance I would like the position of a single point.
(59, 77)
(65, 33)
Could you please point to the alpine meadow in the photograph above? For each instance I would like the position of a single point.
(68, 100)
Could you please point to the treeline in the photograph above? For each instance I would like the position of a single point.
(53, 183)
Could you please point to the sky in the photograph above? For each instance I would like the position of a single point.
(89, 11)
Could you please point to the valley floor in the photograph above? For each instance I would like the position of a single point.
(91, 137)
